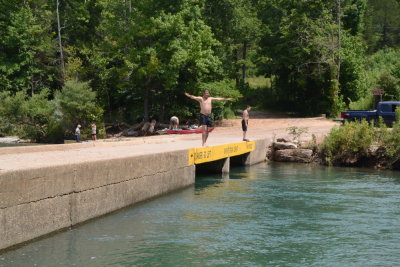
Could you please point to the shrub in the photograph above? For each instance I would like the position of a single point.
(397, 114)
(344, 145)
(43, 120)
(12, 109)
(228, 113)
(29, 117)
(390, 84)
(363, 103)
(392, 142)
(296, 132)
(76, 104)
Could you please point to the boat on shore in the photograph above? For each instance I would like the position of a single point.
(191, 131)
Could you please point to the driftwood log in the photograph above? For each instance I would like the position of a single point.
(132, 130)
(148, 128)
(279, 146)
(138, 129)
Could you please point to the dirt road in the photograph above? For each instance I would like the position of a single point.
(15, 158)
(260, 128)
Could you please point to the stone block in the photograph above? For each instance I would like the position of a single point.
(259, 154)
(99, 173)
(99, 201)
(31, 220)
(24, 186)
(294, 155)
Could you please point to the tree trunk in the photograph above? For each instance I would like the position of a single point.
(244, 64)
(146, 104)
(59, 39)
(162, 112)
(384, 30)
(339, 17)
(236, 52)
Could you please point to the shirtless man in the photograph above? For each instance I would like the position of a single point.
(245, 121)
(205, 111)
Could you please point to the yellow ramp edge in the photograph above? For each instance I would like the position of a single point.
(212, 153)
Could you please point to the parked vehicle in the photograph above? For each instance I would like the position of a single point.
(385, 109)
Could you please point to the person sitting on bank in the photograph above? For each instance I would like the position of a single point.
(173, 123)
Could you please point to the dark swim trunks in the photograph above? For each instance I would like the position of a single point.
(205, 120)
(244, 126)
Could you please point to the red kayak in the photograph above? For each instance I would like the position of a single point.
(198, 130)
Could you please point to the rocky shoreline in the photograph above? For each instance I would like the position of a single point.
(285, 150)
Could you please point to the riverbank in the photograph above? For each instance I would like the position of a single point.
(361, 144)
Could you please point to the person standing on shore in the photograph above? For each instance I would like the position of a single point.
(78, 133)
(245, 121)
(205, 111)
(94, 132)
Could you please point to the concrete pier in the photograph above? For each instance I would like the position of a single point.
(46, 189)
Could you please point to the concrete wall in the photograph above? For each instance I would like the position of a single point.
(257, 156)
(223, 165)
(39, 201)
(220, 166)
(36, 202)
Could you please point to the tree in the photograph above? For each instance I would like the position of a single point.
(382, 24)
(237, 27)
(26, 50)
(302, 45)
(76, 104)
(352, 82)
(156, 54)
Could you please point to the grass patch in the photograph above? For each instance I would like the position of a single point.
(259, 82)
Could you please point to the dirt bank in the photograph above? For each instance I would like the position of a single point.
(14, 158)
(260, 127)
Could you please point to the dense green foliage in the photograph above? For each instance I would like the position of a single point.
(356, 143)
(44, 120)
(65, 62)
(76, 103)
(343, 144)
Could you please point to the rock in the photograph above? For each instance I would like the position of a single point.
(270, 153)
(283, 140)
(294, 155)
(373, 149)
(279, 146)
(132, 133)
(9, 140)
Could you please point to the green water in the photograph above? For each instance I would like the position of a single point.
(264, 215)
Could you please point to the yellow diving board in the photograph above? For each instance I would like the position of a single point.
(212, 153)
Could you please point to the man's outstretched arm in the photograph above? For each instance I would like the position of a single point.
(193, 97)
(222, 98)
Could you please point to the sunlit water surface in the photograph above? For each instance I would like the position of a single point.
(264, 215)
